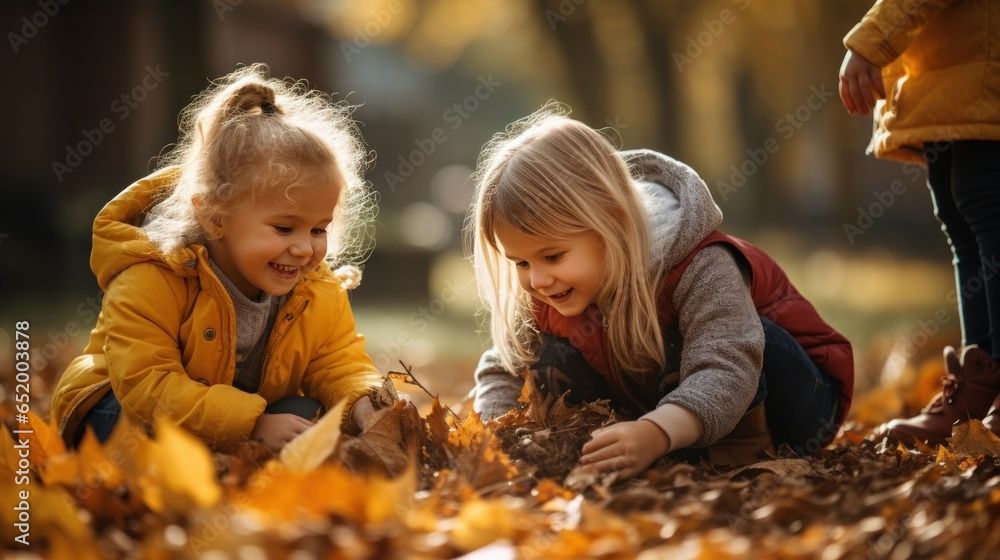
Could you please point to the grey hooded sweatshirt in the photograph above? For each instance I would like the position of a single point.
(723, 340)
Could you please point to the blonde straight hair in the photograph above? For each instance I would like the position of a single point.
(247, 134)
(553, 177)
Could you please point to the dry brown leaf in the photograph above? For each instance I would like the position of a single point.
(437, 423)
(788, 468)
(974, 439)
(387, 445)
(386, 396)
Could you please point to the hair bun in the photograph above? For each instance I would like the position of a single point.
(255, 95)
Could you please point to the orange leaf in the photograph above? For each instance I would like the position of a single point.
(45, 442)
(177, 472)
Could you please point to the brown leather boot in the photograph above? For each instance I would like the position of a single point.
(748, 441)
(970, 385)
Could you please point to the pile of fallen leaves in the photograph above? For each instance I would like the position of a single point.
(444, 486)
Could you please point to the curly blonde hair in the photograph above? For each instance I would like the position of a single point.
(554, 177)
(249, 133)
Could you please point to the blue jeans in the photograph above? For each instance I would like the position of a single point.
(800, 402)
(104, 416)
(964, 179)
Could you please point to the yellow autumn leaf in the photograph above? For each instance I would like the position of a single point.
(89, 466)
(45, 441)
(180, 473)
(9, 457)
(312, 447)
(480, 523)
(387, 497)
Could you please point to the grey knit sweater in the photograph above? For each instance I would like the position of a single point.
(254, 320)
(723, 341)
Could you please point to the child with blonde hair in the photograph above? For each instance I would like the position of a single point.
(605, 277)
(221, 312)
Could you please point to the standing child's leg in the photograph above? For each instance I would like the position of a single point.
(972, 304)
(975, 185)
(964, 179)
(975, 181)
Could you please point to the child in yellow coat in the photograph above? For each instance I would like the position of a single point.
(221, 310)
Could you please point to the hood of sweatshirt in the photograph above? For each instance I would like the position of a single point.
(680, 208)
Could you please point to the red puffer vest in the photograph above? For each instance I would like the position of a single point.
(774, 296)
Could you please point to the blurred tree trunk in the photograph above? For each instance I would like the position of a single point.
(658, 23)
(574, 35)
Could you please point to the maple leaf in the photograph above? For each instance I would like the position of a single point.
(478, 454)
(313, 446)
(974, 439)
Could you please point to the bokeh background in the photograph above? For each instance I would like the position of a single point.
(745, 91)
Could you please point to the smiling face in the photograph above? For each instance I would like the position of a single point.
(564, 273)
(270, 245)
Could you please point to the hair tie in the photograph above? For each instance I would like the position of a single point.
(268, 108)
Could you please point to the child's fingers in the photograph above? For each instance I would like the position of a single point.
(605, 462)
(877, 83)
(845, 97)
(866, 88)
(599, 440)
(857, 99)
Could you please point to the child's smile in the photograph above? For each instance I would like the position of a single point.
(270, 245)
(564, 273)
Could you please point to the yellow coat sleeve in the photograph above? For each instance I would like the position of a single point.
(340, 369)
(890, 26)
(144, 308)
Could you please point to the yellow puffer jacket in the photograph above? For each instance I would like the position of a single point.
(940, 63)
(165, 338)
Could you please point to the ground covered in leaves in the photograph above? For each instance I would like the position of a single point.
(443, 485)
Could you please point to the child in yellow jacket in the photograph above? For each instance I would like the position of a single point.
(221, 311)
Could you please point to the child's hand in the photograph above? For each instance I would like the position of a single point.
(362, 410)
(625, 447)
(858, 77)
(276, 430)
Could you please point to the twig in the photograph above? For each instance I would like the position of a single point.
(424, 389)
